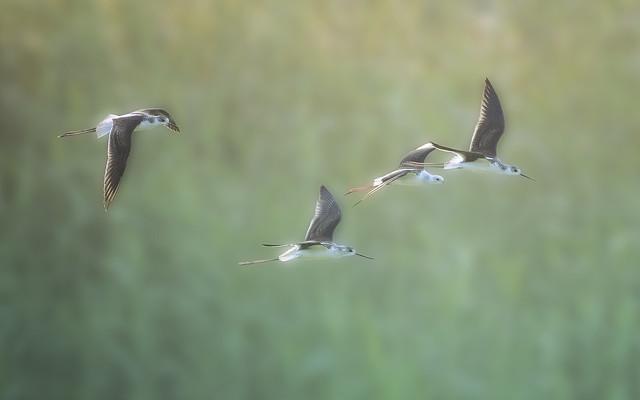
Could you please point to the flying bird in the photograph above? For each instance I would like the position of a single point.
(120, 128)
(482, 153)
(410, 172)
(318, 242)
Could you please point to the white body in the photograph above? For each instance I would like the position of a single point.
(412, 179)
(483, 164)
(106, 125)
(316, 251)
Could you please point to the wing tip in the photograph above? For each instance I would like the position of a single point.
(425, 146)
(488, 87)
(325, 193)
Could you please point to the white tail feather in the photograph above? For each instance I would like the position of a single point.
(105, 126)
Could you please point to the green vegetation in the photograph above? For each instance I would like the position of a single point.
(486, 287)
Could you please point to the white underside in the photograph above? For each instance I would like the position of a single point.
(481, 164)
(146, 125)
(410, 179)
(420, 178)
(106, 125)
(316, 251)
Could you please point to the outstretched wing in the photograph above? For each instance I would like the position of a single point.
(326, 218)
(467, 156)
(385, 181)
(490, 125)
(117, 154)
(154, 111)
(418, 155)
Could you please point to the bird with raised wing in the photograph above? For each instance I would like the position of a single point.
(408, 173)
(482, 153)
(120, 128)
(318, 242)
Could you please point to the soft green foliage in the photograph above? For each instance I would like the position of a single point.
(487, 287)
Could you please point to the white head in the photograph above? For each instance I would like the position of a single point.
(512, 170)
(345, 251)
(158, 116)
(429, 178)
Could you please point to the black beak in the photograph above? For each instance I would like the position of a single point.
(528, 177)
(363, 256)
(172, 125)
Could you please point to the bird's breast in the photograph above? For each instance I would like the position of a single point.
(320, 251)
(479, 164)
(146, 124)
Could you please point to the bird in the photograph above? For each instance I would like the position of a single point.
(318, 241)
(482, 153)
(120, 128)
(408, 173)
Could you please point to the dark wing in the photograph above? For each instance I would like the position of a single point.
(326, 218)
(418, 155)
(154, 111)
(394, 175)
(490, 125)
(117, 154)
(385, 181)
(467, 156)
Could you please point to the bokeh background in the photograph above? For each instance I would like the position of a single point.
(487, 287)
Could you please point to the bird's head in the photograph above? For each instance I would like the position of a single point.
(513, 170)
(426, 177)
(350, 251)
(162, 117)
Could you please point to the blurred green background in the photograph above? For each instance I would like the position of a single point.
(487, 287)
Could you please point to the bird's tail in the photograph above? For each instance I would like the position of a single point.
(359, 189)
(75, 133)
(258, 261)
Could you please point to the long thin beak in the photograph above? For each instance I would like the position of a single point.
(171, 125)
(363, 256)
(528, 177)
